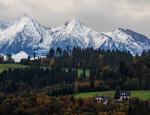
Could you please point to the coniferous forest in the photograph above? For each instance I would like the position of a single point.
(47, 85)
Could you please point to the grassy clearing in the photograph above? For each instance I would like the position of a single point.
(80, 71)
(142, 94)
(93, 94)
(13, 66)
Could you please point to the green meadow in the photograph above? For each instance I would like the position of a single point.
(141, 94)
(12, 66)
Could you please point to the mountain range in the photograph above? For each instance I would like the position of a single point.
(27, 35)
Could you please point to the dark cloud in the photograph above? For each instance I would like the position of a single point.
(101, 15)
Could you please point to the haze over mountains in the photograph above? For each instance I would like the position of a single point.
(27, 35)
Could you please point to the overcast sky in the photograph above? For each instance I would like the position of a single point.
(100, 15)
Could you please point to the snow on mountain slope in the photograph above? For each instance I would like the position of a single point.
(76, 34)
(25, 35)
(29, 36)
(128, 40)
(17, 57)
(4, 25)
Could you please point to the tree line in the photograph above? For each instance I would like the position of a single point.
(125, 71)
(42, 104)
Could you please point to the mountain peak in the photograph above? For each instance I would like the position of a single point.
(75, 26)
(121, 29)
(126, 30)
(73, 22)
(25, 21)
(26, 17)
(74, 19)
(4, 25)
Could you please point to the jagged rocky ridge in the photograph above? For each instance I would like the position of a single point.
(27, 35)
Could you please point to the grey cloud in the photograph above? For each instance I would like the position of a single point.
(101, 15)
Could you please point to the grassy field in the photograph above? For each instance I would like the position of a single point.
(143, 95)
(13, 66)
(80, 71)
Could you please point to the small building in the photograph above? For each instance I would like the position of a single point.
(122, 95)
(125, 95)
(103, 99)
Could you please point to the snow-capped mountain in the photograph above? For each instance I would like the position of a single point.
(128, 40)
(76, 34)
(4, 25)
(27, 35)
